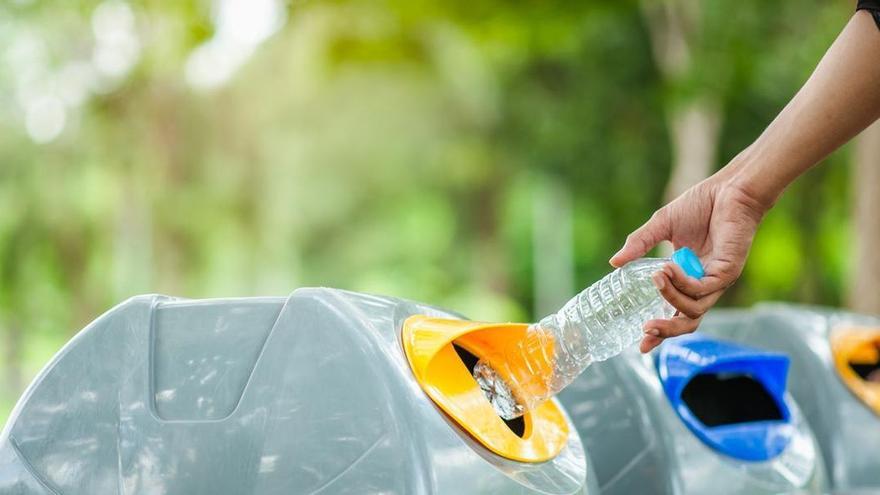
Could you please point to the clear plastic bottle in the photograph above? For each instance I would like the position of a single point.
(597, 324)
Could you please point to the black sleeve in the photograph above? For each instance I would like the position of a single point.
(872, 6)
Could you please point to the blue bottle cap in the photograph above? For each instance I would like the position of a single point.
(689, 262)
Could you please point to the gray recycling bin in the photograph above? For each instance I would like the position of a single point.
(835, 358)
(306, 394)
(700, 415)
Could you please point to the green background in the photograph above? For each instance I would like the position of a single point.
(395, 147)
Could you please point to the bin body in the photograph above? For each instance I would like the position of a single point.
(305, 394)
(642, 445)
(848, 431)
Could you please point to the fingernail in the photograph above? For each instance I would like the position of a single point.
(653, 331)
(659, 281)
(615, 255)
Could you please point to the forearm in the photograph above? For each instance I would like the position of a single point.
(841, 98)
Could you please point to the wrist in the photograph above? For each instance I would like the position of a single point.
(756, 182)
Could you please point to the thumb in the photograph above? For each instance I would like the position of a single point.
(643, 239)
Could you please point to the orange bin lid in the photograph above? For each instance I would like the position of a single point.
(855, 346)
(427, 343)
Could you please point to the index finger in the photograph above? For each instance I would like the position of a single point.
(643, 239)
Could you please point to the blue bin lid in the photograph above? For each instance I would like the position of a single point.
(683, 358)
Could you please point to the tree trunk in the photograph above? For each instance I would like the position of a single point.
(490, 260)
(864, 290)
(553, 257)
(694, 124)
(694, 129)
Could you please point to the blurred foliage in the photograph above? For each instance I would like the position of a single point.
(389, 146)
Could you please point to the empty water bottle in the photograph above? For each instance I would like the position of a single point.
(595, 325)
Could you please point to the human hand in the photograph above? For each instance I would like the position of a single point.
(717, 219)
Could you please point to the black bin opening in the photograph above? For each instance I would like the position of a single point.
(718, 399)
(870, 372)
(867, 372)
(516, 425)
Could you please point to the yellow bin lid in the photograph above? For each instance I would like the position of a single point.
(856, 353)
(427, 343)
